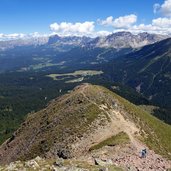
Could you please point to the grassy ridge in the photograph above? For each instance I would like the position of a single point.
(71, 116)
(157, 133)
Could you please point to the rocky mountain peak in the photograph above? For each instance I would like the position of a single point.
(118, 40)
(53, 39)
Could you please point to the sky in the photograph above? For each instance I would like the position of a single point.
(21, 18)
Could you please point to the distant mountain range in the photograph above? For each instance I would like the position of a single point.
(140, 61)
(117, 40)
(33, 71)
(126, 40)
(5, 45)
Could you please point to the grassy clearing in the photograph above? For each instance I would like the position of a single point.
(41, 65)
(75, 80)
(53, 76)
(76, 73)
(2, 97)
(118, 139)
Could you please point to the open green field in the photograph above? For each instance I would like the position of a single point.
(82, 73)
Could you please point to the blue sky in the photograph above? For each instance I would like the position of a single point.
(28, 16)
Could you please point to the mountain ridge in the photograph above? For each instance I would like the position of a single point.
(147, 70)
(120, 40)
(115, 40)
(73, 123)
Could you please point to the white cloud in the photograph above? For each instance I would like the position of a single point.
(158, 26)
(108, 21)
(65, 28)
(120, 22)
(102, 33)
(162, 22)
(164, 8)
(16, 36)
(11, 36)
(36, 35)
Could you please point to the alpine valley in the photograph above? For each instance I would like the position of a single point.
(83, 103)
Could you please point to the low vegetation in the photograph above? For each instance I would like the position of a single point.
(162, 114)
(76, 73)
(30, 91)
(74, 116)
(119, 139)
(50, 164)
(156, 133)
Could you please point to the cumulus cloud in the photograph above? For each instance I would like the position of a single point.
(11, 36)
(164, 8)
(65, 28)
(157, 26)
(36, 35)
(102, 33)
(120, 22)
(16, 36)
(160, 25)
(162, 22)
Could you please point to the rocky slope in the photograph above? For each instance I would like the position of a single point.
(94, 125)
(40, 164)
(119, 40)
(25, 42)
(69, 40)
(122, 40)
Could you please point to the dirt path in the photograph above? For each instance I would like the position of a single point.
(128, 156)
(130, 159)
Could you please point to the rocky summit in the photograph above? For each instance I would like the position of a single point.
(115, 40)
(94, 125)
(124, 39)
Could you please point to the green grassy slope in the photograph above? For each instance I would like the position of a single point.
(157, 133)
